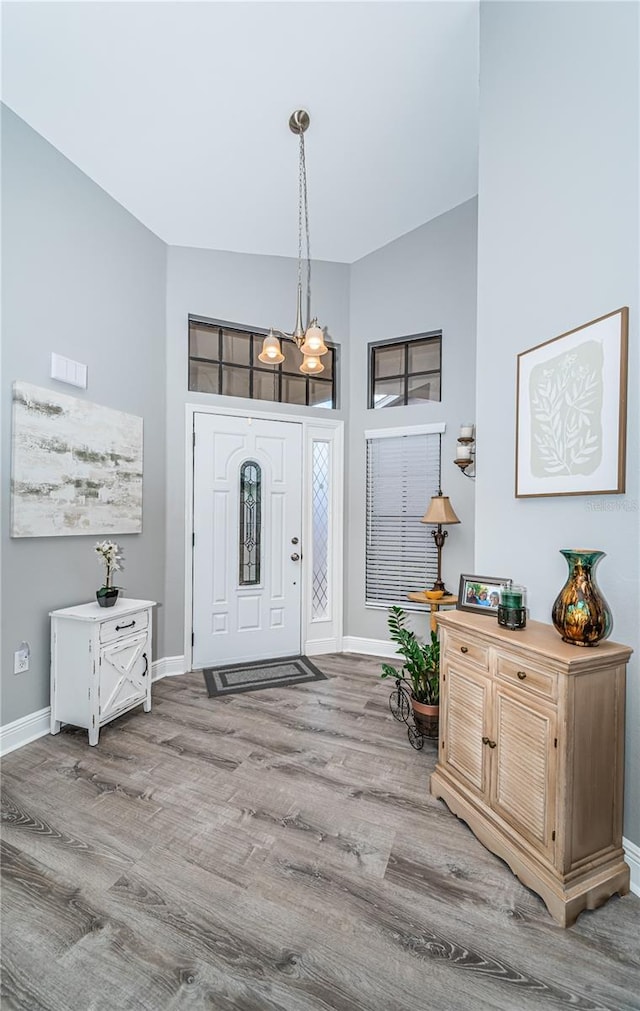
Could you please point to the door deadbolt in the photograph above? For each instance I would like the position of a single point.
(295, 557)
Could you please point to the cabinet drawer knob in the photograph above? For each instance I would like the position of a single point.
(485, 740)
(521, 674)
(492, 744)
(120, 627)
(464, 649)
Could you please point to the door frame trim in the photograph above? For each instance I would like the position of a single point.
(309, 425)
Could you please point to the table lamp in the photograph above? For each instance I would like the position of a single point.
(440, 512)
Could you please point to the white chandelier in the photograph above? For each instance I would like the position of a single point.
(310, 339)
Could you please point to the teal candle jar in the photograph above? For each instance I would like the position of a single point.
(512, 595)
(512, 613)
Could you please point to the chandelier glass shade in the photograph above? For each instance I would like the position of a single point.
(271, 353)
(311, 365)
(310, 339)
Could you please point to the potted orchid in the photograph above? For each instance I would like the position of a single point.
(110, 554)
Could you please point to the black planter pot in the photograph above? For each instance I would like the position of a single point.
(107, 595)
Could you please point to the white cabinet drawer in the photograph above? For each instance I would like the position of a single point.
(127, 624)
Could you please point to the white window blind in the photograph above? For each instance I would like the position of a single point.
(402, 475)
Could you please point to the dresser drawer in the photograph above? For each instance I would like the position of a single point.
(125, 624)
(457, 646)
(529, 678)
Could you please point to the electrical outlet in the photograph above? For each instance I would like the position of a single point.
(21, 659)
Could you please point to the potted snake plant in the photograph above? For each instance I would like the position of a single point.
(420, 670)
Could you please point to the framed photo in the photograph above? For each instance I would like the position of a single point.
(572, 411)
(480, 593)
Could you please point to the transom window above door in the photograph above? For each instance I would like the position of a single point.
(406, 371)
(223, 359)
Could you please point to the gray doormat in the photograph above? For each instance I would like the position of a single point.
(249, 677)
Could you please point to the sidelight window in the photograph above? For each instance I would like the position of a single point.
(320, 498)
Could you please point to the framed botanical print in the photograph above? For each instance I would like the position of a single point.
(571, 411)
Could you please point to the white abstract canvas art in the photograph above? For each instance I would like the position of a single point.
(76, 466)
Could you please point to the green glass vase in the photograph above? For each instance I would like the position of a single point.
(580, 613)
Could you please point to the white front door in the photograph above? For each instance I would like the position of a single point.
(247, 518)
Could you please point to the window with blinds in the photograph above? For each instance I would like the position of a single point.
(402, 475)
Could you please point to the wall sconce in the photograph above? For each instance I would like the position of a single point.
(466, 451)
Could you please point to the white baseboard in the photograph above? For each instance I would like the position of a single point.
(167, 667)
(373, 647)
(28, 728)
(632, 856)
(323, 646)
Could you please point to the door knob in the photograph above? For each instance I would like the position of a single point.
(295, 557)
(294, 540)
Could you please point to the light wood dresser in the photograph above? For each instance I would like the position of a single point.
(100, 663)
(531, 755)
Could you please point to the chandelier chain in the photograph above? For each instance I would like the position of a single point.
(306, 225)
(303, 220)
(301, 190)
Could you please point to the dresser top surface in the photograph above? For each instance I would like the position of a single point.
(537, 637)
(93, 611)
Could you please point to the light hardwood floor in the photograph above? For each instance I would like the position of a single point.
(274, 851)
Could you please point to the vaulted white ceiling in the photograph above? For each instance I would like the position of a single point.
(180, 111)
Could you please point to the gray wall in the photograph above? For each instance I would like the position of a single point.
(558, 246)
(250, 290)
(80, 276)
(425, 280)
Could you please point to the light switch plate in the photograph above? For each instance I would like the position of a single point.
(66, 370)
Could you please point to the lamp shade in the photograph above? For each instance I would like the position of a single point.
(440, 511)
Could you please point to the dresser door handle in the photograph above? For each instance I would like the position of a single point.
(485, 740)
(521, 674)
(464, 649)
(120, 627)
(491, 744)
(146, 665)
